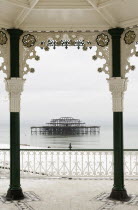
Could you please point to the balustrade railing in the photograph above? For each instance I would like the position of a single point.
(71, 163)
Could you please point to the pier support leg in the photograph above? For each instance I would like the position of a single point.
(117, 87)
(14, 86)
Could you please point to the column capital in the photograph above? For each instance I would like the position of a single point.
(116, 32)
(15, 32)
(117, 86)
(15, 87)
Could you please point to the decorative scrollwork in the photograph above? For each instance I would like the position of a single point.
(104, 53)
(28, 40)
(48, 40)
(73, 164)
(4, 53)
(3, 38)
(66, 44)
(129, 37)
(129, 48)
(102, 40)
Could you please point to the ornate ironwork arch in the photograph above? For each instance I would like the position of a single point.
(45, 40)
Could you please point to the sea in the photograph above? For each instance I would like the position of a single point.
(102, 140)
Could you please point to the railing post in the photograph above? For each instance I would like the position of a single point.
(70, 146)
(117, 87)
(14, 86)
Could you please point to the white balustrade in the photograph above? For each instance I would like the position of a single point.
(56, 163)
(4, 160)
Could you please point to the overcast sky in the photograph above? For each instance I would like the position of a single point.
(66, 83)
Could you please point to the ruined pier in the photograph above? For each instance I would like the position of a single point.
(65, 126)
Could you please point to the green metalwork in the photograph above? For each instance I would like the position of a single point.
(116, 51)
(118, 150)
(14, 154)
(118, 191)
(15, 191)
(14, 51)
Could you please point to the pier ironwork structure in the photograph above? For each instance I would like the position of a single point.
(109, 26)
(65, 126)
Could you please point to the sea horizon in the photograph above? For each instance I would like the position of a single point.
(102, 140)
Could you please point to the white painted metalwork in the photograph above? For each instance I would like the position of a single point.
(41, 39)
(117, 86)
(4, 160)
(128, 51)
(5, 55)
(58, 163)
(14, 87)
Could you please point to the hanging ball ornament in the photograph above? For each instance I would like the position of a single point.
(94, 57)
(100, 70)
(37, 58)
(72, 43)
(58, 43)
(32, 70)
(84, 48)
(136, 54)
(133, 68)
(46, 48)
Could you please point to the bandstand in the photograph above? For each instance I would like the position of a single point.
(109, 25)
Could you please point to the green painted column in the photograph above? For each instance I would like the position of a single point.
(118, 192)
(14, 191)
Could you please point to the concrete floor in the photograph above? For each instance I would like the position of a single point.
(64, 194)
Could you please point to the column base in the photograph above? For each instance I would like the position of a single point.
(119, 195)
(14, 194)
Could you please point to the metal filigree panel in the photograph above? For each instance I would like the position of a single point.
(82, 40)
(71, 163)
(131, 164)
(129, 44)
(5, 53)
(67, 163)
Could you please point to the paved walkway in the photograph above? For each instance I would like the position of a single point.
(64, 194)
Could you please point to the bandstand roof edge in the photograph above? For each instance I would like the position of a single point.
(57, 15)
(101, 40)
(88, 20)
